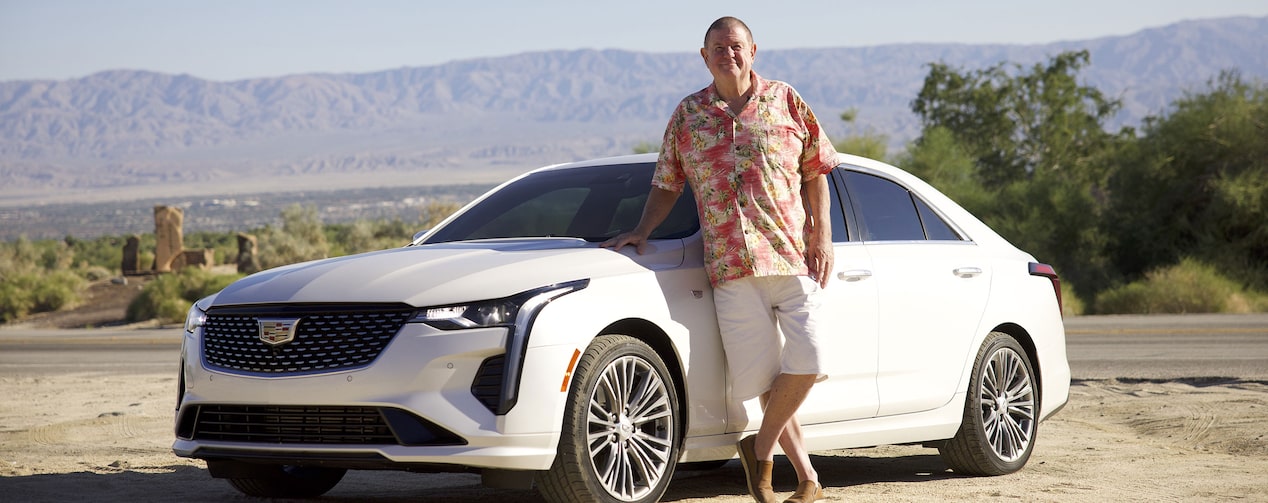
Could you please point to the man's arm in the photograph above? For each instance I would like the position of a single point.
(819, 242)
(659, 204)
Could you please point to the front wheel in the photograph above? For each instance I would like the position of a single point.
(1000, 420)
(620, 434)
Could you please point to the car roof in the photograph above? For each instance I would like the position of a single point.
(604, 161)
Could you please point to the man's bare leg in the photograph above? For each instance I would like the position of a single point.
(795, 448)
(778, 425)
(791, 442)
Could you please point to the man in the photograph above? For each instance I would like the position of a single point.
(753, 152)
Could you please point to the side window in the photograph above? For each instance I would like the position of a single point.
(840, 232)
(935, 227)
(885, 210)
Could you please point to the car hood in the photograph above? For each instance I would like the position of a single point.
(445, 273)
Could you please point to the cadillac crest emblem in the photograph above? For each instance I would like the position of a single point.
(278, 331)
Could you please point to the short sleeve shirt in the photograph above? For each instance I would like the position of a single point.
(746, 171)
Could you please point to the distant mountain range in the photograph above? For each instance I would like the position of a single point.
(120, 134)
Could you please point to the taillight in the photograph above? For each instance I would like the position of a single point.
(1045, 270)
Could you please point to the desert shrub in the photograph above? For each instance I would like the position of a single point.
(434, 212)
(168, 297)
(104, 252)
(37, 291)
(56, 290)
(348, 239)
(1187, 287)
(300, 239)
(36, 277)
(1071, 303)
(94, 272)
(14, 302)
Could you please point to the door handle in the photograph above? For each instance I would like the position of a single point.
(967, 272)
(854, 275)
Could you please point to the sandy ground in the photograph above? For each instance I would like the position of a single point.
(106, 438)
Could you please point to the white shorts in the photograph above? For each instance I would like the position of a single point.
(753, 314)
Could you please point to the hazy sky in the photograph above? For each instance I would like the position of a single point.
(237, 39)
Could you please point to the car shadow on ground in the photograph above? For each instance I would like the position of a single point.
(835, 471)
(192, 484)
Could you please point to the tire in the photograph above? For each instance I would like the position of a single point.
(620, 436)
(286, 481)
(997, 433)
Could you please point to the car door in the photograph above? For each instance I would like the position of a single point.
(849, 334)
(932, 286)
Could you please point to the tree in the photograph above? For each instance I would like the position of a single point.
(1028, 152)
(1196, 185)
(1018, 125)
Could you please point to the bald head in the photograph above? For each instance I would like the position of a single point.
(725, 24)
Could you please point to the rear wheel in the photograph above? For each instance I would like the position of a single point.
(997, 433)
(620, 432)
(286, 481)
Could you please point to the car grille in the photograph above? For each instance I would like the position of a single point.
(311, 424)
(327, 339)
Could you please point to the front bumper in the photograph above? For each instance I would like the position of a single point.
(424, 372)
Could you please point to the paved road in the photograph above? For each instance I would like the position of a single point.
(1168, 346)
(1099, 347)
(110, 350)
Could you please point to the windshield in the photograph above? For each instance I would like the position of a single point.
(592, 203)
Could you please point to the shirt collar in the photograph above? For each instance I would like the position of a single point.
(759, 86)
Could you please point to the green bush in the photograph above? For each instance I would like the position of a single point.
(301, 238)
(94, 272)
(1071, 304)
(56, 290)
(26, 293)
(168, 297)
(14, 303)
(1187, 287)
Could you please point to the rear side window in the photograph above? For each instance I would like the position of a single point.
(936, 229)
(889, 212)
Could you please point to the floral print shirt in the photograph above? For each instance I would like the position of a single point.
(746, 170)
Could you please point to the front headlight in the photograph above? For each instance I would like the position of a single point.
(517, 313)
(503, 312)
(197, 315)
(475, 315)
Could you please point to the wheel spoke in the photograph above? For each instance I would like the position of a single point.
(648, 466)
(1022, 408)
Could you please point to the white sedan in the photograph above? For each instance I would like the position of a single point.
(506, 342)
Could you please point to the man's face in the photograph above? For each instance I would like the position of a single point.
(728, 53)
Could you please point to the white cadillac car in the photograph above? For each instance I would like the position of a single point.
(506, 342)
